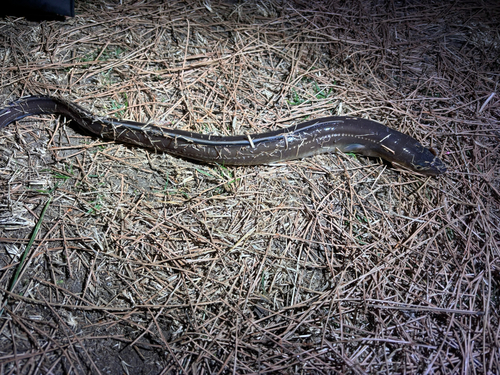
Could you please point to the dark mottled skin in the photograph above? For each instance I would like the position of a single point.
(328, 134)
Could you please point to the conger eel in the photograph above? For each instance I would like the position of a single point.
(328, 134)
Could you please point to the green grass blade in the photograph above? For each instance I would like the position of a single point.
(30, 243)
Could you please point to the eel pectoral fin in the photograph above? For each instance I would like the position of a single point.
(356, 148)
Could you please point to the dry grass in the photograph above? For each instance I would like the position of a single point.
(146, 263)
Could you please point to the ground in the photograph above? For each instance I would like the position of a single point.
(146, 263)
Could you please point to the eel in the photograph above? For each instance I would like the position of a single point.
(327, 134)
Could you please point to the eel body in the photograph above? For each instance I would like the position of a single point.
(328, 134)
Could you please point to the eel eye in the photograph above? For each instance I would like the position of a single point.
(433, 151)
